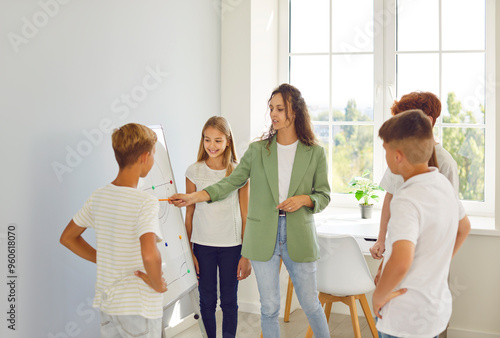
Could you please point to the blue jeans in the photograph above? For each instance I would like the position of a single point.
(226, 259)
(129, 326)
(304, 280)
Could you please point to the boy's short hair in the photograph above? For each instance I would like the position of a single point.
(131, 141)
(411, 132)
(426, 101)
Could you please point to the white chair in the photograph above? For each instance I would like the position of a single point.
(343, 276)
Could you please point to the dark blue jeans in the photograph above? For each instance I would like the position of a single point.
(226, 260)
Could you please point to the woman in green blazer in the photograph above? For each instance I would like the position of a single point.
(288, 184)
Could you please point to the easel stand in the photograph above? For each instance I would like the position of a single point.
(178, 267)
(194, 299)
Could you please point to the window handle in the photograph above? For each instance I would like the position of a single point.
(391, 92)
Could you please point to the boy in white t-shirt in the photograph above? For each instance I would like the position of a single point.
(427, 227)
(129, 277)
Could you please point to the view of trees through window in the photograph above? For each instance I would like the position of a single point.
(353, 146)
(332, 61)
(466, 145)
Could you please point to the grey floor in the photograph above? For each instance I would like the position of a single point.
(249, 326)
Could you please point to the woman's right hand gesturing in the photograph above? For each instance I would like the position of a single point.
(182, 200)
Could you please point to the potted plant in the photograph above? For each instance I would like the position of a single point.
(364, 190)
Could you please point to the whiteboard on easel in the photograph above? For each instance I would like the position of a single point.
(177, 261)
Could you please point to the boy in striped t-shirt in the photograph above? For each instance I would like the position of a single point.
(129, 278)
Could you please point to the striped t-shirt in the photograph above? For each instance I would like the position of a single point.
(120, 216)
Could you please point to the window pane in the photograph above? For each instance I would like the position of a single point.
(463, 24)
(466, 83)
(466, 145)
(417, 72)
(309, 26)
(352, 87)
(437, 133)
(352, 26)
(321, 132)
(352, 153)
(417, 25)
(310, 75)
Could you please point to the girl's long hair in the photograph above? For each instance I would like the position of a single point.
(303, 126)
(230, 158)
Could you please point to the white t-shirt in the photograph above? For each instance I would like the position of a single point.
(426, 212)
(286, 156)
(447, 166)
(120, 216)
(218, 223)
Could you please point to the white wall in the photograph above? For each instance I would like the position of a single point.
(474, 283)
(235, 70)
(249, 65)
(264, 58)
(71, 75)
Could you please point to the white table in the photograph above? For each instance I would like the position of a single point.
(350, 223)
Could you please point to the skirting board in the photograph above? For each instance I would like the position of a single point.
(461, 333)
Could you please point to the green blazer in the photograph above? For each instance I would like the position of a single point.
(309, 177)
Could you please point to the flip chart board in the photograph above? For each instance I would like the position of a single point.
(177, 261)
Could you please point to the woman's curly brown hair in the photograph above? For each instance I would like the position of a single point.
(303, 125)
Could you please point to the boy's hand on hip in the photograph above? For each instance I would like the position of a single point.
(161, 288)
(379, 302)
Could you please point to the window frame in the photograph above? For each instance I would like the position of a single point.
(384, 91)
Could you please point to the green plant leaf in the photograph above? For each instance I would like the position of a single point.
(364, 188)
(359, 194)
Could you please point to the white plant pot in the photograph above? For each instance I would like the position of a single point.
(366, 211)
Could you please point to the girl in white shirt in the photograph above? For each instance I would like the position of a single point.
(216, 229)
